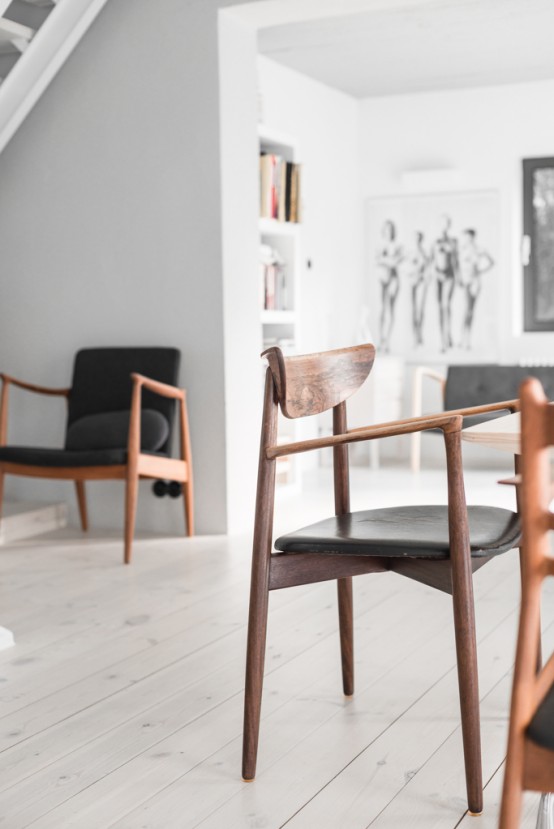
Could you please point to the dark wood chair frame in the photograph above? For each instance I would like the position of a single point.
(309, 385)
(139, 465)
(528, 765)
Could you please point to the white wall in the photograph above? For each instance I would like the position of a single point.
(239, 205)
(483, 134)
(325, 124)
(110, 231)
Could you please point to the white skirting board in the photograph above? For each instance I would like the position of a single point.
(6, 638)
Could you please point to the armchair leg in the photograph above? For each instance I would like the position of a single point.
(82, 503)
(188, 496)
(131, 495)
(468, 682)
(346, 624)
(255, 657)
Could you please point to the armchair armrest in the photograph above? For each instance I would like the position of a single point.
(448, 422)
(163, 389)
(7, 380)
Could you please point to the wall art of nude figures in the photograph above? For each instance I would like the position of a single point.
(432, 265)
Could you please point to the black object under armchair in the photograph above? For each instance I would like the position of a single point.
(121, 413)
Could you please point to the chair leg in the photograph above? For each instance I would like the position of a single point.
(346, 624)
(131, 495)
(188, 497)
(255, 657)
(468, 682)
(512, 792)
(2, 476)
(82, 503)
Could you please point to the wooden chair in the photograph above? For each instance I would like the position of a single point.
(119, 427)
(530, 760)
(435, 545)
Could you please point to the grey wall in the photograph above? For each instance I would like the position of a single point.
(110, 232)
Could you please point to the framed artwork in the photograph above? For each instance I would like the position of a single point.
(432, 269)
(538, 244)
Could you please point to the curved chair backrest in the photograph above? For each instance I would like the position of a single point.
(312, 383)
(102, 381)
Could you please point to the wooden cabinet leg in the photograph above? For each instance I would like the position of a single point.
(346, 623)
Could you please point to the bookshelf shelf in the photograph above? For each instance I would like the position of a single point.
(273, 227)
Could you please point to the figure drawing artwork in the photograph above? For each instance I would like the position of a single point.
(432, 265)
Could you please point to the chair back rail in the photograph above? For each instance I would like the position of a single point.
(313, 383)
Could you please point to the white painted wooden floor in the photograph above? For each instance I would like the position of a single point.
(121, 704)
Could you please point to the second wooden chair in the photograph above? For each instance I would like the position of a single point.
(530, 761)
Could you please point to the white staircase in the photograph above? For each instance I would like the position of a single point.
(36, 37)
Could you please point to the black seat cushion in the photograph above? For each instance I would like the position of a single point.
(110, 430)
(476, 385)
(414, 531)
(39, 456)
(541, 727)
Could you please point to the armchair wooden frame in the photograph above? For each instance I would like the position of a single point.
(528, 764)
(139, 465)
(328, 387)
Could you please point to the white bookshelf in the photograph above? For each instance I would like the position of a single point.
(281, 326)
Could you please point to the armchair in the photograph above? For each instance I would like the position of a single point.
(439, 546)
(470, 386)
(119, 427)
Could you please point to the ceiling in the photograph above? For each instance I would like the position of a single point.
(407, 47)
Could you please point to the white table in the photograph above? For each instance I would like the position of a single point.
(501, 433)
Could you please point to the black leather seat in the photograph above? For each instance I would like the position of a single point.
(541, 727)
(412, 531)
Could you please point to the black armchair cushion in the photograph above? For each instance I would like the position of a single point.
(110, 430)
(102, 382)
(541, 727)
(477, 385)
(413, 531)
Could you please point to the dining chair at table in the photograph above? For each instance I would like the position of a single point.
(439, 546)
(530, 758)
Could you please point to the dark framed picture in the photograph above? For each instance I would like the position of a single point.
(538, 244)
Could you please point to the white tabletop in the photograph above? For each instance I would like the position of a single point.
(501, 433)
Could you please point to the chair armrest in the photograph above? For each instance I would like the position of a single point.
(511, 405)
(7, 380)
(163, 389)
(448, 422)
